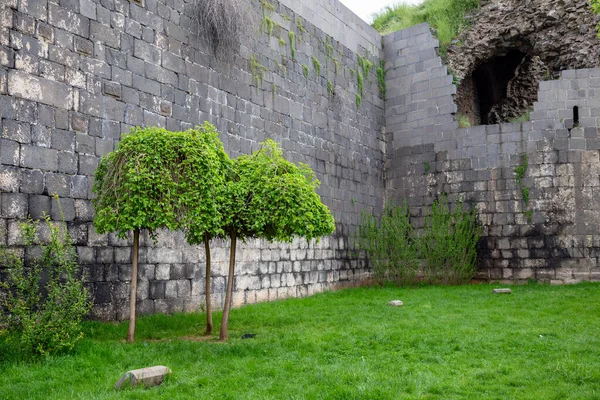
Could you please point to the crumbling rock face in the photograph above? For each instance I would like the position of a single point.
(511, 46)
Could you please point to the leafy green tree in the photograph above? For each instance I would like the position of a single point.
(153, 180)
(271, 198)
(203, 178)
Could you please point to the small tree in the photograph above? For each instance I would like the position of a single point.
(270, 198)
(203, 177)
(148, 182)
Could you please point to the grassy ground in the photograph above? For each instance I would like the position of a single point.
(541, 342)
(447, 16)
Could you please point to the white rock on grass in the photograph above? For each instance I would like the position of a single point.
(151, 376)
(396, 303)
(501, 291)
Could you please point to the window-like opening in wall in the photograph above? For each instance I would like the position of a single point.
(491, 80)
(575, 116)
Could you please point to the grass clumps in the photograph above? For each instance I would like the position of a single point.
(463, 121)
(446, 16)
(305, 71)
(258, 70)
(381, 79)
(292, 38)
(316, 65)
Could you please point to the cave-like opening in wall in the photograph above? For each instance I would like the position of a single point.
(491, 82)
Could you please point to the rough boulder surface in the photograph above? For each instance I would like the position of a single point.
(513, 44)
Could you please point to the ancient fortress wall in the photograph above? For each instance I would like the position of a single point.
(544, 226)
(75, 75)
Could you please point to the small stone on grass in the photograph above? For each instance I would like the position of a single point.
(502, 291)
(396, 303)
(151, 376)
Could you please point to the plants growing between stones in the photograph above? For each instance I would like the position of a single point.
(520, 171)
(595, 4)
(257, 70)
(292, 37)
(225, 23)
(330, 88)
(444, 251)
(305, 71)
(271, 198)
(316, 65)
(45, 299)
(463, 121)
(381, 78)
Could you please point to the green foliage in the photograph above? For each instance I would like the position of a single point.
(336, 66)
(357, 100)
(446, 16)
(444, 252)
(595, 4)
(45, 300)
(381, 78)
(521, 118)
(257, 70)
(529, 215)
(463, 121)
(525, 194)
(202, 169)
(389, 243)
(360, 83)
(448, 243)
(328, 49)
(330, 87)
(316, 65)
(272, 198)
(300, 26)
(365, 65)
(522, 168)
(281, 42)
(292, 37)
(427, 166)
(160, 179)
(268, 25)
(305, 71)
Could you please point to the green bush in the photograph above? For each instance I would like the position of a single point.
(448, 243)
(389, 243)
(42, 318)
(444, 251)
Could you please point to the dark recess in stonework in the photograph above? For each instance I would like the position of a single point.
(491, 81)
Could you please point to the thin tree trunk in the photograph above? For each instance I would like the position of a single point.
(133, 294)
(224, 334)
(209, 323)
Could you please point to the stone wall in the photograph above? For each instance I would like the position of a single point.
(544, 226)
(76, 74)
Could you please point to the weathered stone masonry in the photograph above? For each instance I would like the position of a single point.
(545, 227)
(76, 74)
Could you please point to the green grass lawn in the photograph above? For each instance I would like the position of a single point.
(541, 342)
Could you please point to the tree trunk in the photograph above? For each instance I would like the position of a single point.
(224, 334)
(209, 323)
(134, 276)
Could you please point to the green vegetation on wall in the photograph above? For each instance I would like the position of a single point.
(305, 71)
(445, 16)
(381, 78)
(292, 38)
(258, 70)
(316, 65)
